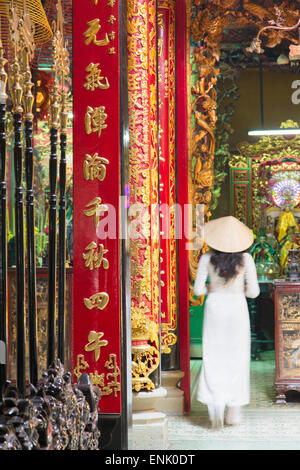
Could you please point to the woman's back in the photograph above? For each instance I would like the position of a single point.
(225, 373)
(244, 282)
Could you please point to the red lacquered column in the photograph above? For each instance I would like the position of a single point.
(182, 43)
(143, 161)
(167, 185)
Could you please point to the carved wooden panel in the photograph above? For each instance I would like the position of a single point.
(240, 202)
(240, 175)
(287, 338)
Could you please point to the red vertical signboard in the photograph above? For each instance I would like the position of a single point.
(96, 306)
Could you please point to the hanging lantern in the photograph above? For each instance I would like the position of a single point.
(43, 87)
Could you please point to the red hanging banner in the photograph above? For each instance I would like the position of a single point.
(96, 130)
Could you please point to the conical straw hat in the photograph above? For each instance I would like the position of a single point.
(228, 234)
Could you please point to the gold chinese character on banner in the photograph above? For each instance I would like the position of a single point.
(81, 364)
(93, 258)
(94, 209)
(111, 3)
(95, 120)
(112, 35)
(91, 34)
(94, 79)
(108, 383)
(94, 167)
(97, 380)
(99, 301)
(112, 19)
(113, 386)
(112, 50)
(95, 343)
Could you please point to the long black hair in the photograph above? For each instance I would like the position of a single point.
(226, 264)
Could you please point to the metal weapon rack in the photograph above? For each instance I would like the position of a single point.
(50, 412)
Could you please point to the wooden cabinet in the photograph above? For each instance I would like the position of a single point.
(287, 338)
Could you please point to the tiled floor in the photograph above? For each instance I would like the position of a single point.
(265, 426)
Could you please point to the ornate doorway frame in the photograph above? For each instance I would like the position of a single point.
(206, 20)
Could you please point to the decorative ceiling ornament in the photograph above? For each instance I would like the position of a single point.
(273, 60)
(211, 17)
(256, 42)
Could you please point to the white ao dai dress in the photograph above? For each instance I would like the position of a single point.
(225, 373)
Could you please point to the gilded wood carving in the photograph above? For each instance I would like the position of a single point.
(256, 156)
(208, 20)
(143, 160)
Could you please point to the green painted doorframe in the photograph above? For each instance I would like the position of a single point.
(196, 323)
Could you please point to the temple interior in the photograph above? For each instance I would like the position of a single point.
(160, 105)
(257, 178)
